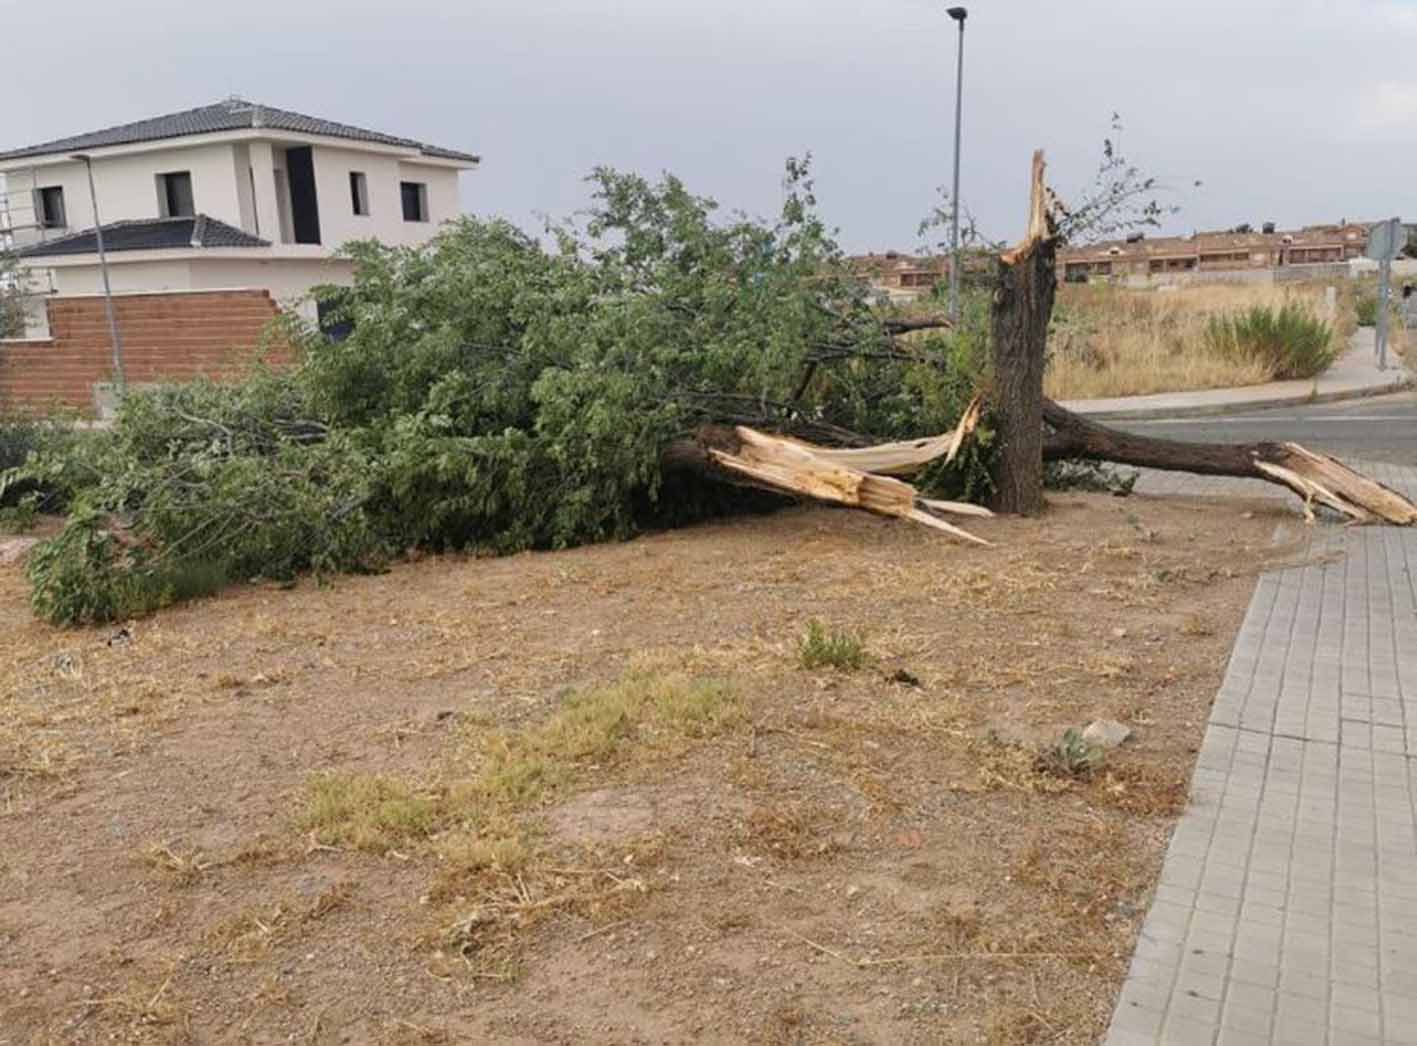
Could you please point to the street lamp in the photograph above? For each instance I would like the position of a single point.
(118, 376)
(959, 14)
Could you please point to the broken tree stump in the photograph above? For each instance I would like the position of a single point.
(1023, 303)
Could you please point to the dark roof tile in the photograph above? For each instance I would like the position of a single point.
(152, 234)
(233, 114)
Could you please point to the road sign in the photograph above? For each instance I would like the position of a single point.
(1386, 240)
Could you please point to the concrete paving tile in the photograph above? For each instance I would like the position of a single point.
(1288, 906)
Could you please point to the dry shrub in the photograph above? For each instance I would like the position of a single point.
(501, 889)
(787, 831)
(185, 869)
(1140, 789)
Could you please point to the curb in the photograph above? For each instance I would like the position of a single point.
(1205, 410)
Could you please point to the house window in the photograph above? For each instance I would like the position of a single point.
(51, 207)
(174, 195)
(359, 192)
(415, 201)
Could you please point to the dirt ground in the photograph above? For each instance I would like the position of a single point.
(810, 856)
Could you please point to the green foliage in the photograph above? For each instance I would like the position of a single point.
(25, 440)
(1072, 756)
(1291, 340)
(12, 297)
(501, 392)
(1366, 306)
(821, 647)
(86, 574)
(19, 434)
(1096, 476)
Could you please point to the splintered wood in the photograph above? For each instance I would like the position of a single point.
(1318, 477)
(854, 477)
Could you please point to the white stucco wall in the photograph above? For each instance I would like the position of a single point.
(444, 202)
(383, 174)
(288, 279)
(127, 185)
(338, 222)
(236, 182)
(144, 276)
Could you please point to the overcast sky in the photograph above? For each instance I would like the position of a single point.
(1294, 111)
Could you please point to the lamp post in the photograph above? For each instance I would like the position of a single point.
(959, 14)
(119, 378)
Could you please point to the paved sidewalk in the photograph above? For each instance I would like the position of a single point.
(1354, 375)
(1287, 907)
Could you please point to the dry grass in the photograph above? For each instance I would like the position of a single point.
(494, 890)
(144, 1007)
(255, 930)
(1108, 341)
(369, 813)
(184, 869)
(643, 710)
(590, 809)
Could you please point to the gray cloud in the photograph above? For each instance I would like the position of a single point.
(1293, 111)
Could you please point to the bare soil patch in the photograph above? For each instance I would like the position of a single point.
(599, 799)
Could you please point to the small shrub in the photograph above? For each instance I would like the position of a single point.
(1072, 756)
(1291, 341)
(821, 647)
(18, 436)
(1366, 306)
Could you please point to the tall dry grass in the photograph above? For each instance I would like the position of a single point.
(1110, 341)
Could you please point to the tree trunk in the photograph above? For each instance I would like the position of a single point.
(1074, 436)
(1023, 304)
(1314, 477)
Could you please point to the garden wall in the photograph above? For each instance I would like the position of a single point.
(168, 336)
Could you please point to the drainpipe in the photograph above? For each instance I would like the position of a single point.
(119, 378)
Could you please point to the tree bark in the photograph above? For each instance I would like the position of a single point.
(1074, 436)
(1314, 477)
(1023, 304)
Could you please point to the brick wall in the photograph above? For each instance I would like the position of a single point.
(166, 337)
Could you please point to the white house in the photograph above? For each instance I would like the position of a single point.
(231, 195)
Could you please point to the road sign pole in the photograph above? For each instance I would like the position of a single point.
(1384, 241)
(1384, 295)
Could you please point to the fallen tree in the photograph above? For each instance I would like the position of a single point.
(653, 368)
(1022, 305)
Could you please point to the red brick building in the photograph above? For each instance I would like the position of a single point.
(1233, 251)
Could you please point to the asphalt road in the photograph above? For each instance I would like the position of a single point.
(1383, 428)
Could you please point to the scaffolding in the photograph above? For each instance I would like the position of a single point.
(23, 223)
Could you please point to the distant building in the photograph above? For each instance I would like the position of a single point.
(901, 277)
(1204, 252)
